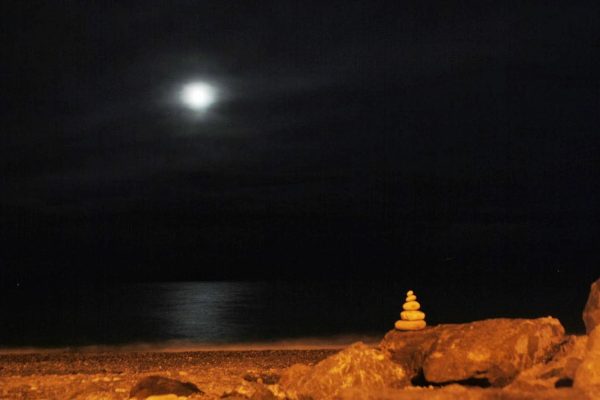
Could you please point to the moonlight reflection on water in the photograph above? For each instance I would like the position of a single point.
(203, 310)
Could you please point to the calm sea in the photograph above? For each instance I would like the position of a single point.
(240, 312)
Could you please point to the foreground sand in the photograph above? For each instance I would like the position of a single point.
(112, 374)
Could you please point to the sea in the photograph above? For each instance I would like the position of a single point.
(189, 314)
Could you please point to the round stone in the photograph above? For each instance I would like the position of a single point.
(411, 306)
(411, 298)
(410, 325)
(412, 315)
(410, 293)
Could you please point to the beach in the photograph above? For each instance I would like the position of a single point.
(74, 374)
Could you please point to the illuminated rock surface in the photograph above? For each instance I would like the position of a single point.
(412, 315)
(587, 376)
(556, 373)
(158, 385)
(414, 325)
(490, 352)
(411, 319)
(357, 366)
(411, 306)
(591, 312)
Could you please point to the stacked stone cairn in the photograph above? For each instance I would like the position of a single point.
(411, 319)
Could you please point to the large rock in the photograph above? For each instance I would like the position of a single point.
(158, 385)
(591, 312)
(357, 367)
(587, 376)
(490, 352)
(410, 348)
(557, 373)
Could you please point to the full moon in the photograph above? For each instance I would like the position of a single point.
(198, 96)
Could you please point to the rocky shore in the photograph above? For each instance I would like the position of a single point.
(495, 359)
(112, 374)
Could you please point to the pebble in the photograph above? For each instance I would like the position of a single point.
(410, 325)
(411, 306)
(412, 315)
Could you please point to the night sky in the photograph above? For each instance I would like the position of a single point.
(352, 139)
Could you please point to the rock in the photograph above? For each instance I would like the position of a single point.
(262, 377)
(158, 385)
(490, 352)
(557, 373)
(357, 367)
(412, 315)
(294, 374)
(234, 396)
(587, 376)
(410, 348)
(410, 325)
(411, 306)
(591, 312)
(262, 393)
(493, 350)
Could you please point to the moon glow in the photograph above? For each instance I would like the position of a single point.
(198, 96)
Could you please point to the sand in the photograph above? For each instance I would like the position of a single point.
(112, 374)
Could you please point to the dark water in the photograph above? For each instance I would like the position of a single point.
(236, 312)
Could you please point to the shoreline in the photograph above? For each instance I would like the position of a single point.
(175, 346)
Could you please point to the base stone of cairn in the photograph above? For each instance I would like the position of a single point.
(411, 319)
